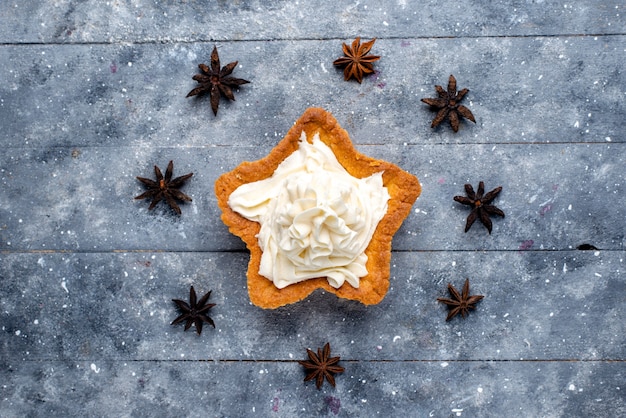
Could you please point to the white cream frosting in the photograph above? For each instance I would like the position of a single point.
(316, 219)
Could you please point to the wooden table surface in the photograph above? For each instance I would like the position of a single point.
(92, 94)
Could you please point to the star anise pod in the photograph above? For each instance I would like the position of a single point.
(165, 188)
(194, 312)
(481, 205)
(356, 61)
(216, 81)
(321, 366)
(460, 303)
(448, 105)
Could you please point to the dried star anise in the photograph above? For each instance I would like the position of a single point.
(194, 312)
(481, 205)
(165, 188)
(356, 60)
(321, 366)
(216, 81)
(461, 303)
(448, 105)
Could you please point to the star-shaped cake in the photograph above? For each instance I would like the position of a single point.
(316, 214)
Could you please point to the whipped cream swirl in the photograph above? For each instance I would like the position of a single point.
(316, 219)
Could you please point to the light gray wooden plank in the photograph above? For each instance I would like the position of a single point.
(488, 389)
(538, 305)
(555, 196)
(522, 90)
(67, 21)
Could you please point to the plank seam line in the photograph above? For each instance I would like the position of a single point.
(61, 251)
(269, 146)
(304, 39)
(373, 361)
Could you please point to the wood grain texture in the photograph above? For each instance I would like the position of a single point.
(92, 94)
